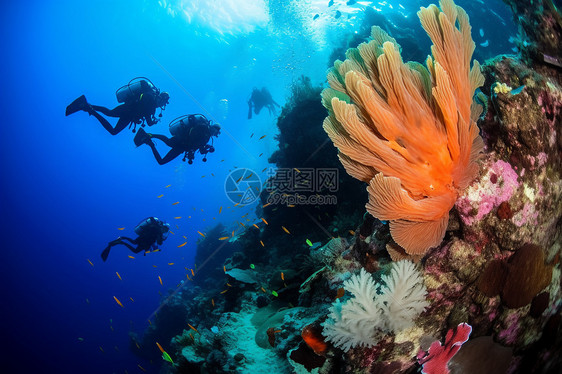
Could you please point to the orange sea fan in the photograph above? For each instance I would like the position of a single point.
(407, 130)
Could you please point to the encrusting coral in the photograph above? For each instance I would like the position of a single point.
(408, 131)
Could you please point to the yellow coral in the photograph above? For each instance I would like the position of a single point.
(408, 130)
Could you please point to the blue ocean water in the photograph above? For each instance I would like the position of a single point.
(67, 185)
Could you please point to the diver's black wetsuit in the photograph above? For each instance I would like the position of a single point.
(259, 99)
(151, 234)
(133, 112)
(197, 139)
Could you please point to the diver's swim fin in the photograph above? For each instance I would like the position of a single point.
(105, 253)
(141, 137)
(76, 105)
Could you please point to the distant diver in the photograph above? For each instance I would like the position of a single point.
(259, 99)
(190, 133)
(139, 98)
(150, 231)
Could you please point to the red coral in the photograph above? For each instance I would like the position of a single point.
(436, 359)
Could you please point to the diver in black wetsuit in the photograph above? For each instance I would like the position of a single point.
(150, 232)
(140, 99)
(190, 134)
(259, 99)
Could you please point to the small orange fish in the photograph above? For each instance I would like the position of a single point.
(283, 276)
(239, 179)
(150, 323)
(264, 221)
(160, 279)
(264, 169)
(185, 237)
(192, 272)
(177, 217)
(261, 242)
(168, 185)
(170, 263)
(297, 170)
(263, 289)
(285, 229)
(118, 302)
(181, 245)
(223, 292)
(266, 205)
(223, 238)
(193, 328)
(160, 347)
(192, 338)
(263, 136)
(121, 228)
(290, 206)
(213, 302)
(154, 266)
(131, 299)
(352, 232)
(90, 262)
(249, 176)
(131, 257)
(340, 293)
(220, 210)
(140, 367)
(171, 232)
(118, 276)
(229, 285)
(187, 275)
(256, 226)
(159, 196)
(224, 268)
(243, 225)
(233, 233)
(176, 203)
(200, 233)
(101, 349)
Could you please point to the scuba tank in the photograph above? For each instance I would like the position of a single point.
(144, 224)
(180, 126)
(134, 89)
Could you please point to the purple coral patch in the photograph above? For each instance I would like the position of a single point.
(435, 361)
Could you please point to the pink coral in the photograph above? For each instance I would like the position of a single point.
(435, 360)
(497, 186)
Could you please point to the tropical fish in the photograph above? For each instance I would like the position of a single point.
(256, 226)
(170, 263)
(223, 292)
(220, 210)
(274, 293)
(159, 196)
(160, 279)
(121, 228)
(166, 357)
(176, 203)
(352, 232)
(285, 229)
(118, 302)
(140, 367)
(338, 14)
(263, 136)
(264, 221)
(118, 276)
(181, 245)
(261, 242)
(177, 217)
(223, 238)
(193, 328)
(309, 242)
(213, 302)
(131, 299)
(192, 272)
(283, 276)
(168, 185)
(200, 233)
(90, 262)
(160, 347)
(261, 154)
(252, 266)
(130, 256)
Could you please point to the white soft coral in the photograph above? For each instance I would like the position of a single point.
(357, 321)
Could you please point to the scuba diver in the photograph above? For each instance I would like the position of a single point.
(258, 100)
(190, 133)
(150, 231)
(139, 98)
